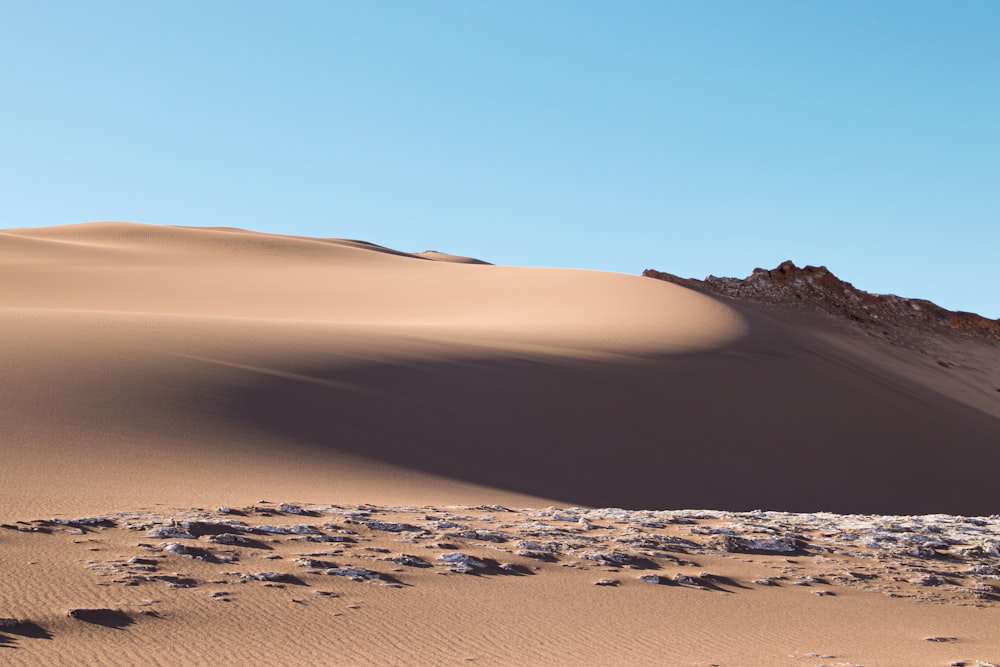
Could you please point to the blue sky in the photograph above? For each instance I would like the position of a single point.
(691, 137)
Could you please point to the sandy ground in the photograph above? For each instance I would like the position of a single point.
(157, 369)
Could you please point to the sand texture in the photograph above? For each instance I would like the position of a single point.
(148, 371)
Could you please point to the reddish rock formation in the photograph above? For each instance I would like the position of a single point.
(816, 286)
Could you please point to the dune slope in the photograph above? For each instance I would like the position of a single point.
(183, 366)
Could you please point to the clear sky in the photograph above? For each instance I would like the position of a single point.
(692, 137)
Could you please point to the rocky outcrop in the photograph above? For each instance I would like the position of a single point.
(817, 287)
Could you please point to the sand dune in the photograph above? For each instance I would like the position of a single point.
(152, 349)
(169, 367)
(192, 348)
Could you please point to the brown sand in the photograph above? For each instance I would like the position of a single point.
(169, 367)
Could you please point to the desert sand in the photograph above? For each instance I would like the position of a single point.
(152, 375)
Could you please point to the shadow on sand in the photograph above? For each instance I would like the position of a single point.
(778, 420)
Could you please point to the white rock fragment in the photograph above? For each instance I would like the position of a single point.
(276, 530)
(462, 563)
(353, 573)
(757, 545)
(170, 532)
(179, 549)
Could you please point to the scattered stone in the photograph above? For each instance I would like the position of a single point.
(353, 573)
(275, 577)
(174, 581)
(228, 538)
(462, 563)
(614, 558)
(459, 557)
(26, 528)
(481, 534)
(986, 592)
(170, 532)
(274, 530)
(929, 580)
(941, 639)
(391, 527)
(136, 560)
(199, 528)
(408, 560)
(319, 538)
(758, 545)
(185, 550)
(958, 554)
(85, 521)
(608, 582)
(921, 551)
